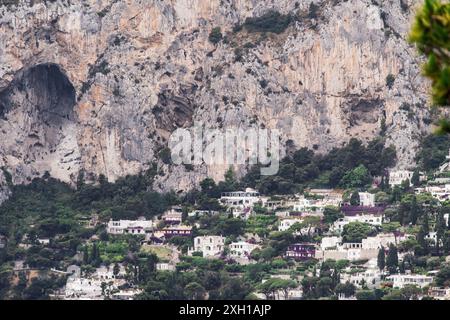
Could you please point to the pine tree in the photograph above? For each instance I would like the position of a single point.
(392, 259)
(381, 259)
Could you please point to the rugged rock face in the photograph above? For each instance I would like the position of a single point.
(99, 85)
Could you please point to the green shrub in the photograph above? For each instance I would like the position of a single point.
(215, 36)
(272, 21)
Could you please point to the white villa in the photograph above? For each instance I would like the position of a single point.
(83, 289)
(165, 266)
(441, 193)
(242, 249)
(334, 248)
(401, 280)
(347, 251)
(328, 197)
(370, 277)
(372, 219)
(272, 204)
(312, 205)
(240, 199)
(397, 177)
(174, 215)
(304, 204)
(367, 199)
(285, 224)
(440, 293)
(210, 246)
(201, 213)
(79, 288)
(136, 227)
(330, 242)
(107, 272)
(382, 240)
(376, 242)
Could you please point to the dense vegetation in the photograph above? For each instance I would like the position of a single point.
(434, 149)
(47, 208)
(431, 34)
(271, 21)
(351, 166)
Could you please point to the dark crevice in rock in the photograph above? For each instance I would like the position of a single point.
(364, 110)
(43, 88)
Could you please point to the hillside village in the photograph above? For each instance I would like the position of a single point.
(386, 239)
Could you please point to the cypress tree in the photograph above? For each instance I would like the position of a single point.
(414, 213)
(440, 231)
(383, 183)
(392, 259)
(426, 224)
(85, 255)
(354, 199)
(381, 259)
(415, 179)
(95, 259)
(422, 241)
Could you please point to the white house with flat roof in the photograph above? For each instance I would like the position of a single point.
(165, 266)
(242, 249)
(347, 251)
(401, 280)
(285, 224)
(83, 289)
(174, 215)
(383, 240)
(372, 219)
(210, 246)
(201, 213)
(80, 288)
(304, 204)
(440, 192)
(370, 277)
(367, 199)
(396, 177)
(439, 293)
(135, 227)
(107, 272)
(240, 199)
(330, 242)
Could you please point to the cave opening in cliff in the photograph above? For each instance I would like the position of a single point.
(43, 89)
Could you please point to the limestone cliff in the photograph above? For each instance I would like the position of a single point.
(98, 85)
